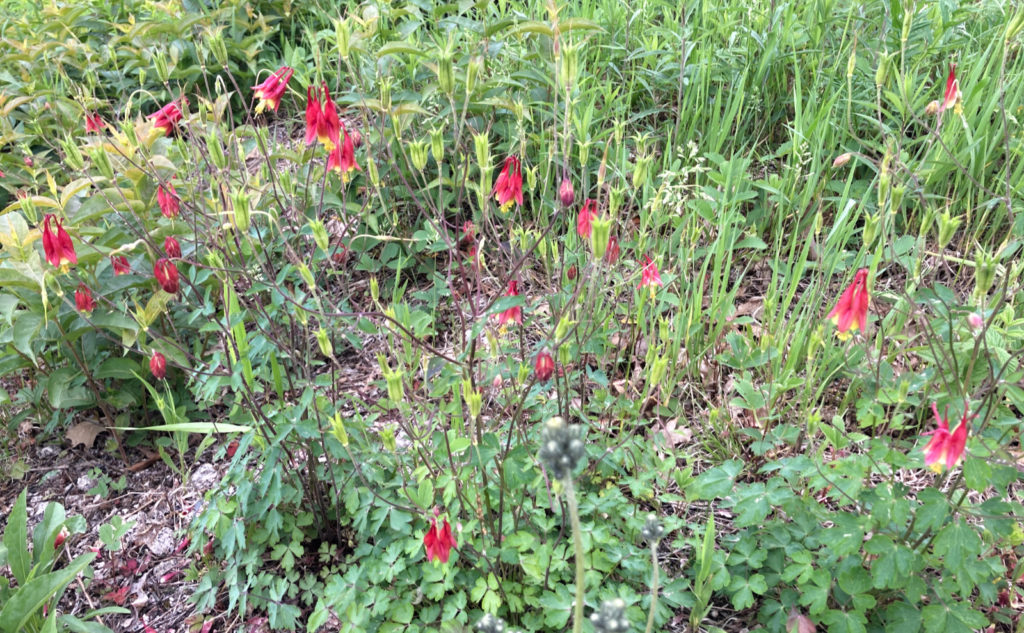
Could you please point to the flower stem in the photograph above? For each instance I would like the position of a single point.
(577, 541)
(654, 587)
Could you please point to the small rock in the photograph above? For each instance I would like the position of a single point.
(204, 477)
(48, 452)
(163, 543)
(85, 482)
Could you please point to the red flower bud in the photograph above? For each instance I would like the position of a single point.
(61, 537)
(172, 248)
(571, 273)
(566, 193)
(166, 274)
(158, 367)
(544, 366)
(232, 447)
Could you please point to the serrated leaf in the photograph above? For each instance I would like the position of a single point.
(715, 482)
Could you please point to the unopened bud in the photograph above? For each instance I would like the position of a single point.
(976, 321)
(932, 108)
(326, 348)
(566, 193)
(418, 154)
(599, 231)
(947, 228)
(473, 398)
(343, 37)
(445, 77)
(544, 366)
(338, 428)
(841, 160)
(871, 228)
(984, 273)
(437, 144)
(319, 232)
(562, 329)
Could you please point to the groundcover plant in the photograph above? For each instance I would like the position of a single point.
(526, 315)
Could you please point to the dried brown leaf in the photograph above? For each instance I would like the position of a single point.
(84, 433)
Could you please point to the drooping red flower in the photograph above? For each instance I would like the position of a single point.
(509, 186)
(322, 123)
(120, 264)
(94, 122)
(57, 246)
(952, 95)
(439, 541)
(158, 367)
(611, 254)
(167, 117)
(515, 313)
(945, 448)
(585, 219)
(566, 193)
(649, 275)
(544, 365)
(171, 247)
(167, 198)
(83, 299)
(166, 274)
(851, 311)
(272, 89)
(342, 158)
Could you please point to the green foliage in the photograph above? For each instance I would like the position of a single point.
(362, 340)
(30, 604)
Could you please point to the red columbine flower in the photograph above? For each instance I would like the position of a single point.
(566, 193)
(514, 313)
(509, 186)
(342, 158)
(587, 215)
(952, 95)
(439, 541)
(166, 274)
(83, 299)
(167, 117)
(322, 122)
(172, 248)
(120, 264)
(158, 367)
(611, 254)
(167, 198)
(945, 448)
(94, 122)
(544, 366)
(851, 312)
(60, 252)
(272, 89)
(649, 276)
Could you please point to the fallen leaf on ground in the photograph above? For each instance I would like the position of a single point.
(84, 433)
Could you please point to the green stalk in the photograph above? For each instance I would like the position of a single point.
(577, 542)
(654, 587)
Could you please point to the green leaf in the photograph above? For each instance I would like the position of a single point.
(32, 595)
(16, 540)
(26, 327)
(845, 622)
(715, 482)
(62, 393)
(903, 617)
(952, 618)
(955, 543)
